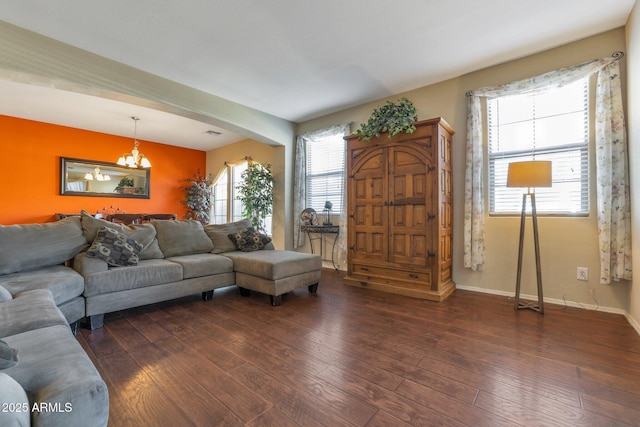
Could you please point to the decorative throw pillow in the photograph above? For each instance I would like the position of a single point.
(218, 233)
(144, 234)
(249, 240)
(8, 355)
(115, 248)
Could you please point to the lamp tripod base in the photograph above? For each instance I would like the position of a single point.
(539, 307)
(531, 305)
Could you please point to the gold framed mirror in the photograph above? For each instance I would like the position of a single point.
(79, 177)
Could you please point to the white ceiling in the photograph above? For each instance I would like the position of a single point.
(295, 59)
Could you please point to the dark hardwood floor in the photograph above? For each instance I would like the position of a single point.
(354, 357)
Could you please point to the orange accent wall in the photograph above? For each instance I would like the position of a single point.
(30, 171)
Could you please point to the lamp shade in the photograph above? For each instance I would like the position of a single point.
(529, 174)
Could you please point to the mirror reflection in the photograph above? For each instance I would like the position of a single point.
(80, 177)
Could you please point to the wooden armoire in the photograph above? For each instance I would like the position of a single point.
(400, 207)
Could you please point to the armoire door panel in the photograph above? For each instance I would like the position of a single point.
(409, 249)
(445, 183)
(378, 216)
(419, 187)
(445, 249)
(369, 243)
(405, 158)
(360, 215)
(377, 187)
(370, 215)
(360, 242)
(369, 220)
(419, 216)
(446, 216)
(413, 216)
(399, 187)
(400, 246)
(377, 244)
(360, 189)
(399, 217)
(372, 162)
(419, 247)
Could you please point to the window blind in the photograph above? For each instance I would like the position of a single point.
(550, 126)
(325, 173)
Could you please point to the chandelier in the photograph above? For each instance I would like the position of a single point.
(135, 159)
(97, 175)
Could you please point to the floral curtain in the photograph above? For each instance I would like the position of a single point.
(300, 184)
(614, 207)
(611, 163)
(299, 189)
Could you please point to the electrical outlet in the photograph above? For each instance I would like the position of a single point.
(582, 273)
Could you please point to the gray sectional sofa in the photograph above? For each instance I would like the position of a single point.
(53, 382)
(55, 275)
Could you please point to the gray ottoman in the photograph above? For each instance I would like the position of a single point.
(275, 272)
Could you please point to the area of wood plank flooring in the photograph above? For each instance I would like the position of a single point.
(348, 356)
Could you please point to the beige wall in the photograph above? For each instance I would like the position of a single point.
(261, 153)
(566, 243)
(633, 102)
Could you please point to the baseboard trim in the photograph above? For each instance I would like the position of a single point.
(634, 324)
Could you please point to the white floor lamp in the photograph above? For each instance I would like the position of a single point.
(529, 174)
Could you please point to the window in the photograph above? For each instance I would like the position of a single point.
(223, 211)
(220, 199)
(325, 172)
(550, 126)
(236, 178)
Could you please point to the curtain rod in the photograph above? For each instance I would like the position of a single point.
(247, 158)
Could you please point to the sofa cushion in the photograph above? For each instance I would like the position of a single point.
(29, 310)
(183, 237)
(199, 265)
(57, 372)
(86, 265)
(274, 265)
(249, 240)
(219, 234)
(147, 273)
(5, 295)
(64, 283)
(8, 355)
(32, 246)
(145, 234)
(17, 411)
(115, 248)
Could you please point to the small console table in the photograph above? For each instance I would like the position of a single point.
(321, 230)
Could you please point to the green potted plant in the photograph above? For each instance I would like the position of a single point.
(125, 186)
(198, 197)
(256, 193)
(392, 118)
